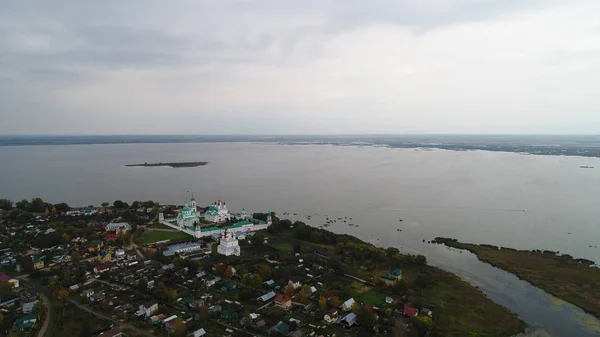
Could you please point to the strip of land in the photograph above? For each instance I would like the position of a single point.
(179, 164)
(574, 280)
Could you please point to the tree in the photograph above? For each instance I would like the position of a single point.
(75, 257)
(322, 302)
(399, 328)
(54, 210)
(6, 204)
(39, 309)
(6, 290)
(391, 251)
(420, 260)
(264, 271)
(334, 302)
(256, 281)
(1, 318)
(305, 291)
(365, 318)
(65, 238)
(46, 211)
(355, 307)
(289, 290)
(203, 313)
(228, 272)
(62, 294)
(104, 205)
(121, 237)
(422, 324)
(120, 204)
(173, 295)
(178, 328)
(23, 204)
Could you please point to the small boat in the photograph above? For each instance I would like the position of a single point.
(349, 224)
(398, 230)
(400, 220)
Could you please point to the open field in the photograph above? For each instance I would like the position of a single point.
(573, 280)
(155, 236)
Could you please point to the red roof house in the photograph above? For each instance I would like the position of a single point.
(283, 301)
(410, 312)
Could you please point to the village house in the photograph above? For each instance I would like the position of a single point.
(28, 307)
(410, 312)
(6, 278)
(199, 333)
(169, 323)
(267, 297)
(95, 246)
(283, 301)
(118, 226)
(346, 306)
(347, 321)
(114, 332)
(26, 322)
(393, 276)
(38, 262)
(104, 256)
(147, 308)
(101, 268)
(331, 316)
(281, 328)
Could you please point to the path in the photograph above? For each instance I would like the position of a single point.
(359, 279)
(48, 317)
(102, 316)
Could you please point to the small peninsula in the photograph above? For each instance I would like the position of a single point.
(175, 164)
(574, 280)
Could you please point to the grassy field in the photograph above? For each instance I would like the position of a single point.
(465, 308)
(155, 236)
(570, 279)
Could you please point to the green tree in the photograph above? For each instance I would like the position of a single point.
(305, 291)
(104, 205)
(391, 251)
(256, 281)
(39, 309)
(365, 318)
(23, 204)
(121, 237)
(6, 290)
(420, 260)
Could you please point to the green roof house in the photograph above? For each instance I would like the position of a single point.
(26, 322)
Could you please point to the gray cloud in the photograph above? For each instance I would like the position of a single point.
(297, 66)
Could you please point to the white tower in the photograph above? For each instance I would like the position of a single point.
(161, 216)
(244, 215)
(193, 204)
(269, 220)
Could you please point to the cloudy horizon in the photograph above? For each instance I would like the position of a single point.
(300, 67)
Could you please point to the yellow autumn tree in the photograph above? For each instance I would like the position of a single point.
(322, 302)
(46, 212)
(54, 211)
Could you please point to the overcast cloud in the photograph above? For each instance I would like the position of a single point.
(296, 67)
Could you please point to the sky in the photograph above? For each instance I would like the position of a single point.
(299, 67)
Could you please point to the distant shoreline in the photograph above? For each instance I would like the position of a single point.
(554, 145)
(175, 165)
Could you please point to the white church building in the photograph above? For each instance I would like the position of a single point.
(228, 245)
(217, 212)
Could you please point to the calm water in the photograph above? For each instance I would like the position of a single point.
(505, 199)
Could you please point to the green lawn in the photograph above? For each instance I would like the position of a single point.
(371, 297)
(283, 247)
(155, 236)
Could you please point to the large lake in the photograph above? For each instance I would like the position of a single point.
(506, 199)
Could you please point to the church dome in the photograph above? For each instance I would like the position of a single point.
(187, 208)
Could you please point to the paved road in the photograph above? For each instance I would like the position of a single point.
(48, 318)
(97, 314)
